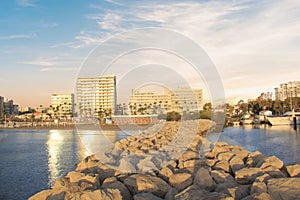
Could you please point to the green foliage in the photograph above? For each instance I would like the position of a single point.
(173, 116)
(205, 114)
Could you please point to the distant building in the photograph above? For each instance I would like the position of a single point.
(25, 109)
(63, 105)
(287, 90)
(179, 100)
(96, 96)
(1, 107)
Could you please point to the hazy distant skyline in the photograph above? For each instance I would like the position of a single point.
(255, 45)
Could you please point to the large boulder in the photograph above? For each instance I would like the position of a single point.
(107, 194)
(247, 175)
(254, 158)
(113, 183)
(146, 196)
(258, 188)
(293, 170)
(219, 176)
(181, 181)
(284, 188)
(272, 161)
(138, 183)
(42, 195)
(223, 165)
(203, 180)
(195, 193)
(236, 163)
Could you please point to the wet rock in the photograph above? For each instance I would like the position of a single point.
(138, 183)
(203, 180)
(284, 188)
(181, 181)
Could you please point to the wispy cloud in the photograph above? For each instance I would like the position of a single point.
(26, 3)
(86, 38)
(17, 36)
(114, 2)
(39, 63)
(65, 44)
(48, 69)
(48, 24)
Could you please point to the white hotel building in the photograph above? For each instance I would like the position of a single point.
(96, 96)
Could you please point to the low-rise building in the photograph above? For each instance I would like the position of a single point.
(62, 105)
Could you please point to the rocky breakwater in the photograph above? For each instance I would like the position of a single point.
(225, 172)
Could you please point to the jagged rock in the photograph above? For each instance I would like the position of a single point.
(258, 187)
(236, 163)
(113, 183)
(42, 195)
(220, 176)
(88, 162)
(263, 178)
(240, 152)
(146, 196)
(293, 170)
(75, 176)
(274, 172)
(211, 162)
(194, 164)
(237, 192)
(188, 155)
(247, 175)
(138, 183)
(223, 165)
(57, 196)
(195, 193)
(284, 188)
(126, 166)
(107, 194)
(271, 161)
(203, 180)
(171, 194)
(262, 196)
(220, 149)
(181, 181)
(254, 158)
(146, 165)
(165, 173)
(225, 156)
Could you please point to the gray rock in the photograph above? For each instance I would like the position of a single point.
(171, 194)
(203, 180)
(146, 196)
(284, 188)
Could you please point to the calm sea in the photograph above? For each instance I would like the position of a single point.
(31, 160)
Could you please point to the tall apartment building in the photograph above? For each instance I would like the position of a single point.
(96, 96)
(287, 90)
(8, 108)
(179, 100)
(63, 105)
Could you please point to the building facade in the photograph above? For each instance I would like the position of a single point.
(287, 90)
(96, 96)
(1, 107)
(179, 100)
(63, 105)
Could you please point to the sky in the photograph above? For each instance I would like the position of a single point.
(254, 45)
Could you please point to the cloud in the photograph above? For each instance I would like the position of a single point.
(39, 63)
(48, 69)
(88, 38)
(65, 44)
(114, 2)
(49, 24)
(18, 36)
(26, 3)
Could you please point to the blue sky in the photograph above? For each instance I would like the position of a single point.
(255, 45)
